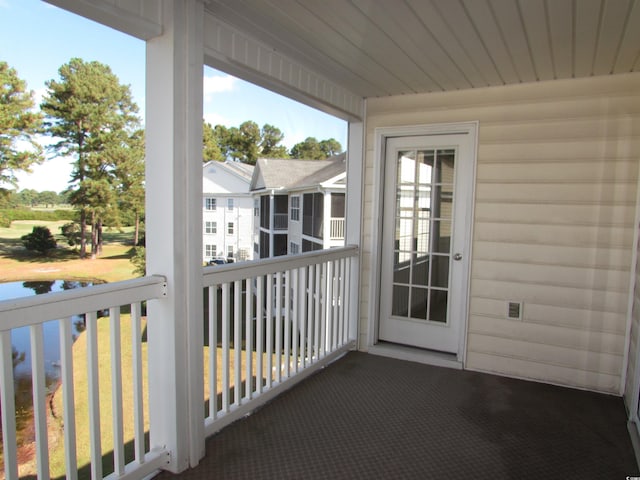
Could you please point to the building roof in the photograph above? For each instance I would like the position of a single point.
(226, 177)
(287, 174)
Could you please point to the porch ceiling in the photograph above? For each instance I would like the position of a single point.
(378, 48)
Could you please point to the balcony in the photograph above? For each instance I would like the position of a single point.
(274, 323)
(280, 221)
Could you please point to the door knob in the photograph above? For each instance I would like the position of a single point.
(457, 257)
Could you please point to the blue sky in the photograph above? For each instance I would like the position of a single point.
(37, 38)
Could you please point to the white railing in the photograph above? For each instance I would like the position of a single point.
(271, 323)
(336, 230)
(124, 302)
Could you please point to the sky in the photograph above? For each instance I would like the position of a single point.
(37, 38)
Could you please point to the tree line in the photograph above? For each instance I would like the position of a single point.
(92, 118)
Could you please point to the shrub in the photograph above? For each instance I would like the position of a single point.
(139, 261)
(40, 240)
(71, 231)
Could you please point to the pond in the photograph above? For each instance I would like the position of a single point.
(20, 341)
(20, 338)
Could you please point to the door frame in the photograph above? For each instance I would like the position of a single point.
(381, 134)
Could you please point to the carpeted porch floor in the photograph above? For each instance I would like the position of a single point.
(370, 417)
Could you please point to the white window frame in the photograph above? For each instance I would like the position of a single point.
(210, 204)
(210, 227)
(294, 248)
(229, 251)
(230, 228)
(256, 207)
(210, 250)
(295, 209)
(230, 204)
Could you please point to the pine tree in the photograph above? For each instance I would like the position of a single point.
(18, 123)
(87, 112)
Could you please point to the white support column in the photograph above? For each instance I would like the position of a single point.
(272, 223)
(174, 232)
(353, 223)
(326, 223)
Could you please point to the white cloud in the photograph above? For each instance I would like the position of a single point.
(38, 95)
(216, 84)
(217, 119)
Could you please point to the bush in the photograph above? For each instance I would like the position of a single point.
(40, 240)
(71, 231)
(139, 260)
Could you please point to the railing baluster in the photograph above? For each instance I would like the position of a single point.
(327, 313)
(116, 391)
(68, 400)
(237, 341)
(269, 327)
(295, 312)
(248, 348)
(311, 295)
(94, 395)
(212, 294)
(8, 409)
(278, 332)
(317, 316)
(347, 299)
(39, 400)
(335, 321)
(303, 298)
(259, 332)
(138, 399)
(226, 319)
(287, 324)
(341, 337)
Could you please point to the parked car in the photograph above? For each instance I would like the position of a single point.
(217, 261)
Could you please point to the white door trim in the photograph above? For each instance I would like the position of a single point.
(381, 134)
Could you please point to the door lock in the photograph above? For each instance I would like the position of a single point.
(457, 257)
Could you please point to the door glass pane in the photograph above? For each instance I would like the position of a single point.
(400, 307)
(419, 303)
(420, 270)
(438, 306)
(440, 236)
(440, 271)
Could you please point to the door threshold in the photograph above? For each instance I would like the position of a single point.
(418, 355)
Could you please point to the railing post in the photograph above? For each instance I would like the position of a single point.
(353, 225)
(174, 232)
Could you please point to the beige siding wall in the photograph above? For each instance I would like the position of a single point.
(632, 373)
(554, 213)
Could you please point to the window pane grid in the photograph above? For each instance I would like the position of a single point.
(424, 207)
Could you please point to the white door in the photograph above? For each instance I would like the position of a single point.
(426, 232)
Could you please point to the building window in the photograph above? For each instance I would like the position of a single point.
(210, 250)
(294, 248)
(256, 207)
(295, 208)
(312, 215)
(229, 204)
(230, 251)
(230, 228)
(210, 227)
(210, 204)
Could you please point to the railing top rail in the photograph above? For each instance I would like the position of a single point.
(237, 271)
(20, 312)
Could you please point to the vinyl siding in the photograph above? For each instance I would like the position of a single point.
(555, 204)
(632, 372)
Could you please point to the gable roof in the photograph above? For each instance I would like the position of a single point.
(226, 177)
(286, 174)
